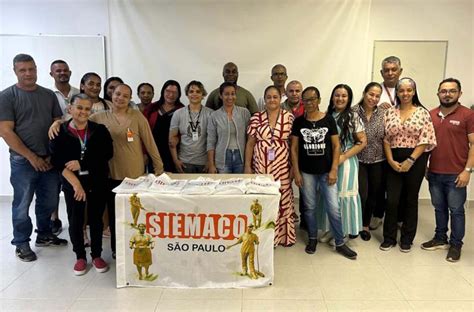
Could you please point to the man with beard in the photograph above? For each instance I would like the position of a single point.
(450, 167)
(230, 72)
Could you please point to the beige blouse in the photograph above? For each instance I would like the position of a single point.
(128, 160)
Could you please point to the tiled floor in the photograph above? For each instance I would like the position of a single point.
(325, 281)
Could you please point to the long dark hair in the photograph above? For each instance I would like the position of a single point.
(155, 106)
(345, 119)
(86, 77)
(415, 100)
(106, 85)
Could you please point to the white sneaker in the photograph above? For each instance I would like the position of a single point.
(325, 237)
(375, 223)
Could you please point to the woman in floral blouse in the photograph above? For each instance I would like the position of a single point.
(409, 135)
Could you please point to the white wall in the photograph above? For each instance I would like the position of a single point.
(298, 34)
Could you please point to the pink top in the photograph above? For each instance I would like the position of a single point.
(416, 130)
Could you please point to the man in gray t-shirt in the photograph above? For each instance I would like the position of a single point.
(26, 112)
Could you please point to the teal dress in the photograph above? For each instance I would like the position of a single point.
(348, 187)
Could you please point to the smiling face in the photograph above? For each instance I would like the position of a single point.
(228, 96)
(372, 97)
(121, 97)
(195, 95)
(26, 74)
(60, 73)
(230, 73)
(92, 87)
(448, 94)
(272, 99)
(80, 111)
(391, 73)
(171, 94)
(405, 92)
(145, 94)
(340, 99)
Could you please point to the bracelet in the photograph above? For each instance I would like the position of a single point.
(411, 159)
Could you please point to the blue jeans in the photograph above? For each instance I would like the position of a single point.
(26, 182)
(313, 184)
(448, 199)
(233, 162)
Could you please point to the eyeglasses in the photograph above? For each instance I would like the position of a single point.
(310, 100)
(444, 91)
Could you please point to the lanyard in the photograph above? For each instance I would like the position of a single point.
(194, 126)
(83, 143)
(392, 100)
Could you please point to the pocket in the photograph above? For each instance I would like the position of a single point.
(18, 159)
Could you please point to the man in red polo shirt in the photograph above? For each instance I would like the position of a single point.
(450, 168)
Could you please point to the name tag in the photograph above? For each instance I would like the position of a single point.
(271, 154)
(195, 136)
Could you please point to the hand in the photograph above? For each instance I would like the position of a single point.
(385, 105)
(54, 129)
(206, 169)
(39, 164)
(395, 165)
(342, 158)
(248, 170)
(405, 166)
(79, 193)
(298, 179)
(146, 159)
(212, 169)
(462, 179)
(179, 166)
(332, 177)
(73, 165)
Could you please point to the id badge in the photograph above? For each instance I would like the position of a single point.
(129, 135)
(271, 154)
(83, 173)
(195, 136)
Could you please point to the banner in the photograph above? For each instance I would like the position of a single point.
(201, 241)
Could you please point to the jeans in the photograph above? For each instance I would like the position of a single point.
(447, 200)
(26, 182)
(233, 162)
(313, 184)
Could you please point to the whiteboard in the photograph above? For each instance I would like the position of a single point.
(82, 53)
(424, 61)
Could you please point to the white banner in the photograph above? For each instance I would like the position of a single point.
(202, 241)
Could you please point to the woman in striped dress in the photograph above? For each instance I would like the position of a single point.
(353, 140)
(268, 152)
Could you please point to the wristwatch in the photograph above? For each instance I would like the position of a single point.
(470, 170)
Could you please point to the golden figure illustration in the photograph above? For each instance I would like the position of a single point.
(256, 210)
(247, 252)
(142, 244)
(135, 206)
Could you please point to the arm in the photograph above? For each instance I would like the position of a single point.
(54, 128)
(17, 145)
(251, 104)
(211, 145)
(147, 139)
(294, 160)
(417, 152)
(336, 153)
(249, 154)
(463, 178)
(359, 145)
(173, 143)
(79, 193)
(211, 161)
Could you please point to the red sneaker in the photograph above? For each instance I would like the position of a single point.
(80, 267)
(100, 265)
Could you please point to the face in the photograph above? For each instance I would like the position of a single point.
(141, 228)
(171, 94)
(92, 87)
(448, 94)
(279, 76)
(230, 73)
(406, 92)
(391, 73)
(81, 110)
(60, 73)
(111, 87)
(26, 73)
(272, 100)
(293, 92)
(311, 101)
(121, 97)
(372, 97)
(146, 94)
(340, 99)
(228, 96)
(194, 95)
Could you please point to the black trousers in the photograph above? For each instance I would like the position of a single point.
(111, 210)
(410, 182)
(372, 189)
(76, 212)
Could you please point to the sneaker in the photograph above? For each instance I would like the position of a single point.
(50, 240)
(100, 265)
(375, 223)
(326, 237)
(405, 247)
(454, 254)
(346, 252)
(56, 227)
(434, 244)
(311, 247)
(80, 267)
(365, 235)
(24, 253)
(332, 241)
(386, 245)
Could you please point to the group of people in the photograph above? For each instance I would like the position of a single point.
(353, 164)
